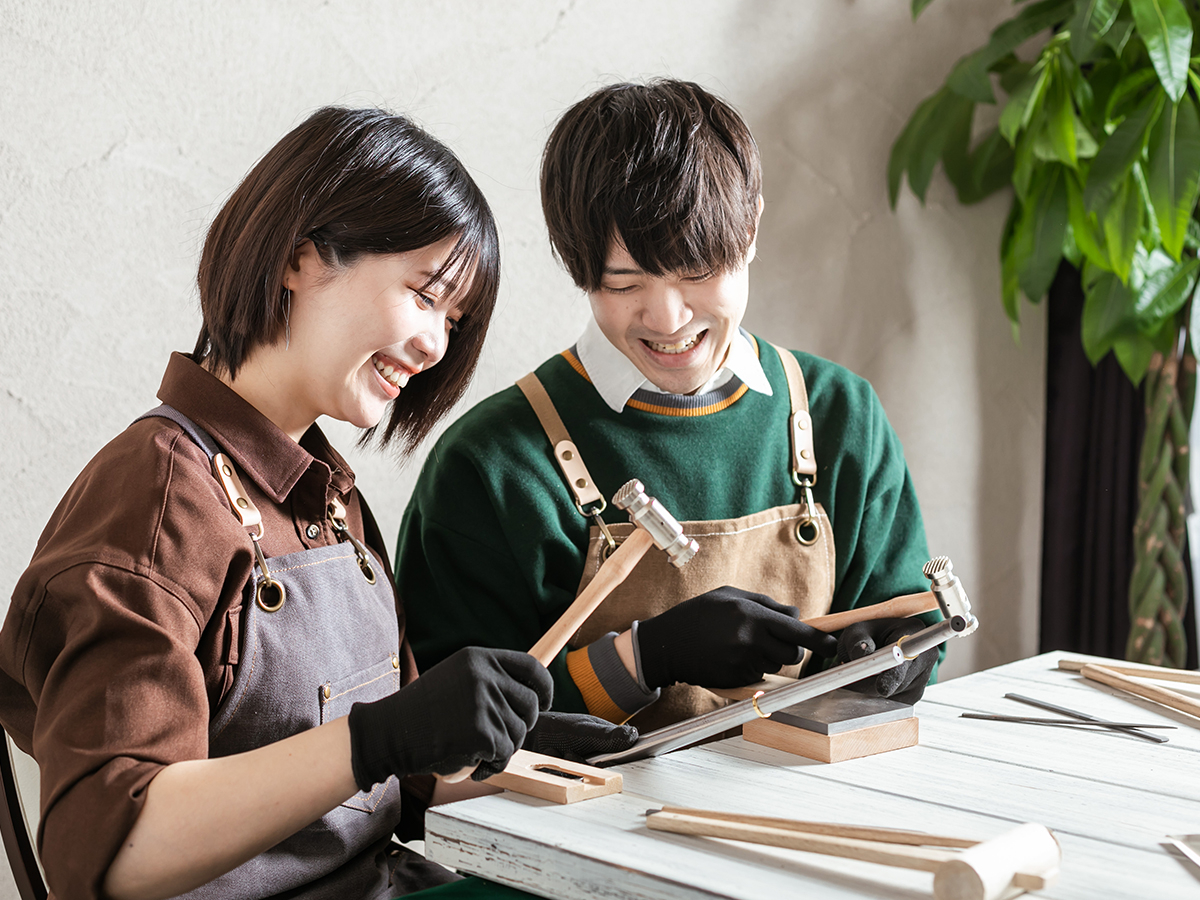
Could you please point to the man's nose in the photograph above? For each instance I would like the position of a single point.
(666, 311)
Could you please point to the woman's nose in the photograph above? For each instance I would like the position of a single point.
(431, 345)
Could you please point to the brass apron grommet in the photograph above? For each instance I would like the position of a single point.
(262, 596)
(807, 532)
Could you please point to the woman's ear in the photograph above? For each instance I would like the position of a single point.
(305, 265)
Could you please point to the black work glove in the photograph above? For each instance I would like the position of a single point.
(906, 682)
(724, 639)
(473, 708)
(577, 737)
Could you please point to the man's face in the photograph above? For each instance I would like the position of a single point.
(675, 328)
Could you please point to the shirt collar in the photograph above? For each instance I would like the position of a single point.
(616, 378)
(261, 449)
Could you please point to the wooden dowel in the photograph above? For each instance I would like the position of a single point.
(1160, 673)
(921, 858)
(832, 829)
(614, 570)
(897, 607)
(1172, 699)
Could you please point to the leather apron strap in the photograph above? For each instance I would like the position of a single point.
(786, 552)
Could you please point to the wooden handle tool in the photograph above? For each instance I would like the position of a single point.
(1174, 700)
(896, 608)
(1025, 858)
(1134, 670)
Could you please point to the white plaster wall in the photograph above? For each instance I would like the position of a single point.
(124, 125)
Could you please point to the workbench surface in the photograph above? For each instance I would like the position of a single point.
(1110, 799)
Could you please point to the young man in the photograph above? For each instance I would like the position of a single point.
(652, 198)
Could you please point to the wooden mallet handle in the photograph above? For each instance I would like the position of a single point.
(614, 570)
(896, 608)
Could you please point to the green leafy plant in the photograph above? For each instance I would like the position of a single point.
(1099, 137)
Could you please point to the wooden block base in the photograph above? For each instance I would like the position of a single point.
(833, 747)
(555, 779)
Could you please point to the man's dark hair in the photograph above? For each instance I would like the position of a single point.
(354, 182)
(665, 167)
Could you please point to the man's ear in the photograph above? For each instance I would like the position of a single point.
(753, 248)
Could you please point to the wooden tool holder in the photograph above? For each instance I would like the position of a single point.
(556, 780)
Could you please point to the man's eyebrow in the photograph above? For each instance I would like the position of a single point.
(609, 270)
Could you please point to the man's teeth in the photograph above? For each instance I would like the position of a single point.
(398, 377)
(681, 347)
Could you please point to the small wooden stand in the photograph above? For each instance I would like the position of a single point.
(837, 726)
(553, 779)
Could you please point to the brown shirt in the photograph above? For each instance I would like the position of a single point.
(122, 636)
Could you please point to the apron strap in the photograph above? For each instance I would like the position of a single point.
(588, 499)
(239, 501)
(804, 459)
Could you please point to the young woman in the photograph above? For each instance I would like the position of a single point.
(205, 655)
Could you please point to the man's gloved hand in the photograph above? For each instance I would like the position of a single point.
(474, 707)
(725, 638)
(906, 682)
(577, 737)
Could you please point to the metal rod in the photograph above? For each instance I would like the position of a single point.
(690, 731)
(1062, 710)
(1078, 723)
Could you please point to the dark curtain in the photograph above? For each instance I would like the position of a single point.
(1094, 424)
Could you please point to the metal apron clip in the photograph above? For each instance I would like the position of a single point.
(336, 512)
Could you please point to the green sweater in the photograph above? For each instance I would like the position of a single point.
(491, 548)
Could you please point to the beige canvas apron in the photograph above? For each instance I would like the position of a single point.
(785, 552)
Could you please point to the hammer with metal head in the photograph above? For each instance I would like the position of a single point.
(654, 526)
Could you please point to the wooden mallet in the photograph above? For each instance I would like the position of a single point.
(1023, 859)
(655, 527)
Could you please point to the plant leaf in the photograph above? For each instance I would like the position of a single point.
(1084, 225)
(991, 168)
(1173, 172)
(969, 77)
(1125, 96)
(1134, 352)
(1166, 29)
(1060, 124)
(1163, 293)
(1024, 103)
(1039, 233)
(956, 157)
(1107, 315)
(1122, 224)
(1012, 261)
(1091, 22)
(918, 7)
(1118, 154)
(898, 161)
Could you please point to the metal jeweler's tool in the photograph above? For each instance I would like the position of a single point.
(1062, 710)
(1078, 723)
(959, 622)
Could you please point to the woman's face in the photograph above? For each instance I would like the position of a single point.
(358, 334)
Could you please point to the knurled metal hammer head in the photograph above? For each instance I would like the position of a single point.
(646, 512)
(951, 596)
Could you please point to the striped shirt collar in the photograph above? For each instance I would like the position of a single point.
(616, 378)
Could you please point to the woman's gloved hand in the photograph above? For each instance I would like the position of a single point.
(578, 737)
(724, 639)
(906, 682)
(473, 708)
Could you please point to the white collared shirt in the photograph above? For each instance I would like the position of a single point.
(617, 379)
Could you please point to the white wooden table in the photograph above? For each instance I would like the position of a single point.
(1110, 799)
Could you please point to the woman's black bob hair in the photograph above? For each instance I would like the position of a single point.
(353, 181)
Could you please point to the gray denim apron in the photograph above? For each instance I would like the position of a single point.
(785, 552)
(330, 638)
